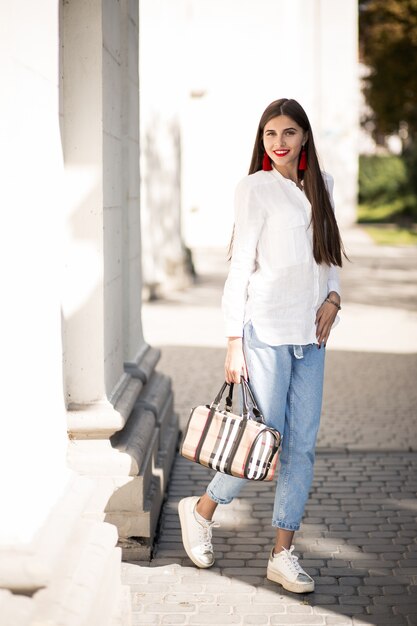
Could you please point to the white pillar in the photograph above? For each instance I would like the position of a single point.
(120, 415)
(131, 239)
(97, 272)
(70, 234)
(83, 293)
(339, 101)
(33, 444)
(53, 545)
(164, 256)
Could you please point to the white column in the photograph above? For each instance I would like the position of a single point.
(164, 257)
(83, 292)
(56, 554)
(120, 419)
(100, 395)
(339, 100)
(132, 246)
(33, 442)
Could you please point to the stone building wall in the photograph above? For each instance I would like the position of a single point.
(91, 431)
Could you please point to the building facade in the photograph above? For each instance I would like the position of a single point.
(91, 432)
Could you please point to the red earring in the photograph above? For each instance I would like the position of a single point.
(302, 164)
(266, 163)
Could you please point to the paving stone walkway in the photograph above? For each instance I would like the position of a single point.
(359, 534)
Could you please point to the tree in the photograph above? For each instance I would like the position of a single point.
(388, 46)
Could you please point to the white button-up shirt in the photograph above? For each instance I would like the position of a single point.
(274, 280)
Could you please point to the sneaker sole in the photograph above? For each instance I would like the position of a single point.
(288, 585)
(182, 514)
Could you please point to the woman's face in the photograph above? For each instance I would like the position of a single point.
(283, 139)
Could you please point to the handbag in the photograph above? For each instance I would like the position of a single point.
(239, 445)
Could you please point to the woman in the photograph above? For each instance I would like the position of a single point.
(280, 303)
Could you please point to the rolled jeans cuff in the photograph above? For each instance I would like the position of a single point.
(216, 499)
(285, 525)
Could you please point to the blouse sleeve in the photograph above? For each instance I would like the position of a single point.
(249, 219)
(333, 282)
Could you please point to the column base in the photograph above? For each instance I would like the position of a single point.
(131, 466)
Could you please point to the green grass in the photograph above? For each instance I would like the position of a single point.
(402, 207)
(387, 200)
(392, 236)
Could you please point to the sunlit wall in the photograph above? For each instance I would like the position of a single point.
(34, 442)
(214, 65)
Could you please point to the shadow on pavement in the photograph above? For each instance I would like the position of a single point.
(358, 537)
(357, 540)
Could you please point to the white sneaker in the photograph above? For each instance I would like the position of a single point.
(196, 533)
(284, 569)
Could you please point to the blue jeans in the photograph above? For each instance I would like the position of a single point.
(287, 382)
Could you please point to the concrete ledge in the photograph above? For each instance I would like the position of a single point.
(26, 570)
(125, 400)
(131, 463)
(129, 491)
(137, 527)
(15, 610)
(103, 419)
(144, 522)
(136, 436)
(97, 457)
(144, 364)
(130, 496)
(71, 575)
(164, 418)
(135, 549)
(23, 572)
(96, 420)
(88, 573)
(155, 394)
(167, 454)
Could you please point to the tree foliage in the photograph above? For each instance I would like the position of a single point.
(388, 46)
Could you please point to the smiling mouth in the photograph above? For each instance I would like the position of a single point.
(281, 153)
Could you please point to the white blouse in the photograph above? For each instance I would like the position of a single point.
(274, 280)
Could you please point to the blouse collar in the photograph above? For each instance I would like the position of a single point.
(280, 176)
(286, 181)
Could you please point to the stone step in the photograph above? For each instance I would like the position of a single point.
(15, 610)
(57, 532)
(26, 569)
(79, 567)
(123, 611)
(85, 587)
(89, 571)
(138, 542)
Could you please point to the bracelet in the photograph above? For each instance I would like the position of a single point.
(336, 304)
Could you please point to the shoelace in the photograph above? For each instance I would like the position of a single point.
(293, 561)
(206, 531)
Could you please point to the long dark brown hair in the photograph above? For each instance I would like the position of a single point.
(327, 243)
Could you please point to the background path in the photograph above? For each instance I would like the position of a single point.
(359, 533)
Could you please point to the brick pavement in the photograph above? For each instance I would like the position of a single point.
(359, 534)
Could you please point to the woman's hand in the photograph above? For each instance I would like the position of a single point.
(235, 365)
(325, 317)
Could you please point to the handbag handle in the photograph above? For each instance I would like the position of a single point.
(246, 391)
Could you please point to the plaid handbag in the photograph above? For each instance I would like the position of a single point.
(239, 445)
